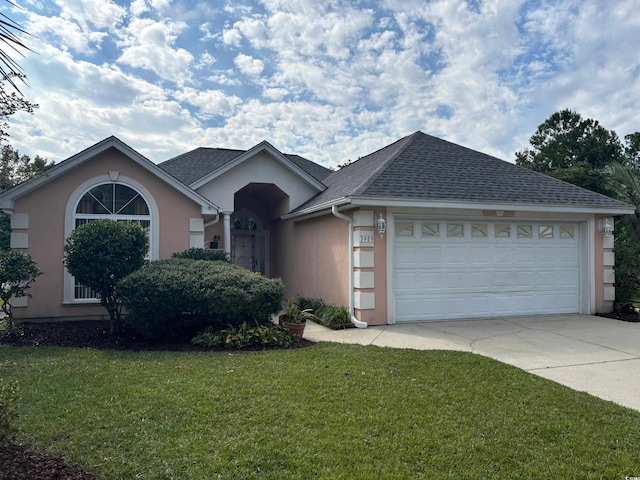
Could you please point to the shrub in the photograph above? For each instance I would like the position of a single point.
(167, 295)
(8, 411)
(244, 336)
(201, 254)
(101, 253)
(17, 271)
(330, 316)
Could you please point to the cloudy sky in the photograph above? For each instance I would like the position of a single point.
(330, 80)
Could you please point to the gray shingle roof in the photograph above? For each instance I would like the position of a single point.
(196, 164)
(423, 167)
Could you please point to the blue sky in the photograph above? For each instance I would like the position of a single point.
(331, 80)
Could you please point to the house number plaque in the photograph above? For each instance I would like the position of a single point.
(363, 239)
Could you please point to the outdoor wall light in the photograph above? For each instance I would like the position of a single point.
(380, 224)
(605, 226)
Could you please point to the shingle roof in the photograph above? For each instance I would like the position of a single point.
(423, 167)
(196, 164)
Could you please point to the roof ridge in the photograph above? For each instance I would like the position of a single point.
(379, 170)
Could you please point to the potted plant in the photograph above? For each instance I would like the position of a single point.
(213, 244)
(295, 319)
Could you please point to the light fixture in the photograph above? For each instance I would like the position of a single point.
(380, 224)
(605, 226)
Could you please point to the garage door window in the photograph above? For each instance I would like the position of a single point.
(404, 229)
(567, 231)
(479, 230)
(430, 229)
(545, 231)
(455, 230)
(525, 231)
(503, 230)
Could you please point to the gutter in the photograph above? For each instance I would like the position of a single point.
(354, 320)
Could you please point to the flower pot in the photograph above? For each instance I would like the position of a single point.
(296, 329)
(213, 245)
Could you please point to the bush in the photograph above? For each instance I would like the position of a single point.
(201, 254)
(8, 411)
(100, 254)
(166, 296)
(264, 336)
(330, 316)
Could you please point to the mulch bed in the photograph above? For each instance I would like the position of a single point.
(21, 462)
(624, 316)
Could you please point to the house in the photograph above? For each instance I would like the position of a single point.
(422, 229)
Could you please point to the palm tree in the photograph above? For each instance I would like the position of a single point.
(10, 41)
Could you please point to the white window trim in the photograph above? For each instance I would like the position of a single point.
(70, 216)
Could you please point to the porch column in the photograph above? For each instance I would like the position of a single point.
(226, 217)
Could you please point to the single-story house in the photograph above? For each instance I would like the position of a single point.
(422, 229)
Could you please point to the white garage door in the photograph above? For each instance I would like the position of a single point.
(462, 269)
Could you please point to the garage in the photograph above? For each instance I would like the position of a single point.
(449, 269)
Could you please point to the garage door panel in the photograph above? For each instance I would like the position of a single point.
(465, 277)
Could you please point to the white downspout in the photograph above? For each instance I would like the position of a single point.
(214, 221)
(354, 320)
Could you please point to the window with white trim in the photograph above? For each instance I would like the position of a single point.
(113, 201)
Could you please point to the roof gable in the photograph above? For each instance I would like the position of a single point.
(7, 198)
(423, 168)
(198, 167)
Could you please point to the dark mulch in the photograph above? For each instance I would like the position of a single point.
(624, 316)
(18, 462)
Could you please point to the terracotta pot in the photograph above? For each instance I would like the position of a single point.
(296, 329)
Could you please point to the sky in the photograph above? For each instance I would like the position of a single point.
(330, 80)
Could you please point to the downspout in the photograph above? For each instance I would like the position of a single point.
(213, 222)
(354, 320)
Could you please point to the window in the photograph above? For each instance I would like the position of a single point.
(525, 231)
(455, 230)
(503, 230)
(479, 230)
(114, 201)
(430, 230)
(404, 229)
(545, 231)
(567, 231)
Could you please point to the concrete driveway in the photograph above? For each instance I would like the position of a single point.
(597, 355)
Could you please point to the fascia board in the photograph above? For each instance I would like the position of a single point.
(528, 207)
(317, 208)
(273, 152)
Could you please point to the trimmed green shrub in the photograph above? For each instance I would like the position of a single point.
(201, 254)
(166, 296)
(8, 411)
(314, 304)
(244, 336)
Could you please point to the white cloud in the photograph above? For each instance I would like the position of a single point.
(104, 14)
(149, 44)
(209, 102)
(249, 65)
(231, 36)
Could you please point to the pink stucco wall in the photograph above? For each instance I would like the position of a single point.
(46, 209)
(313, 258)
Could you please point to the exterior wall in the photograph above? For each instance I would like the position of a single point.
(259, 169)
(45, 210)
(317, 254)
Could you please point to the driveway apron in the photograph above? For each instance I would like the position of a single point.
(598, 355)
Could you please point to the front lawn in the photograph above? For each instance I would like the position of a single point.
(330, 411)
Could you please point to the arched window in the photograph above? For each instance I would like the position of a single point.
(114, 201)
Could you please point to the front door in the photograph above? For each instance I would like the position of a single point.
(249, 249)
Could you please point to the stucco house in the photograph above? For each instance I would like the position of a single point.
(422, 229)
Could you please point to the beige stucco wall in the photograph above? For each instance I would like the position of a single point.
(46, 226)
(601, 304)
(314, 261)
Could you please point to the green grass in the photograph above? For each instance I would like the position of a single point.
(331, 411)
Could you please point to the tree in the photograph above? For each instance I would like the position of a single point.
(14, 169)
(573, 149)
(17, 272)
(100, 254)
(582, 152)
